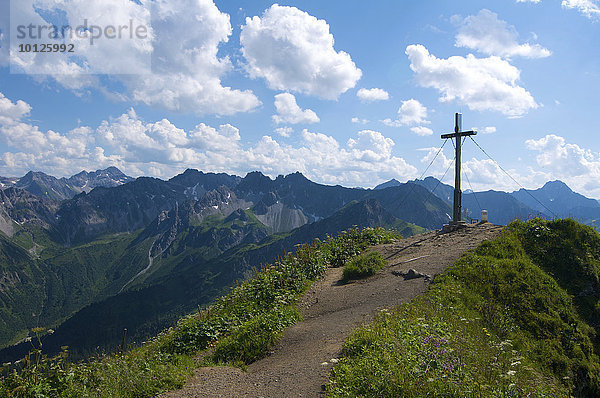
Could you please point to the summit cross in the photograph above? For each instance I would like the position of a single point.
(457, 135)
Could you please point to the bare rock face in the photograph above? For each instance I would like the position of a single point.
(281, 218)
(23, 207)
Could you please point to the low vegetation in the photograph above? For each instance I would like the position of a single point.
(363, 265)
(240, 327)
(515, 317)
(501, 322)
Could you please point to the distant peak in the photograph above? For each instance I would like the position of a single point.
(297, 176)
(255, 173)
(31, 175)
(391, 183)
(191, 171)
(256, 176)
(556, 185)
(113, 170)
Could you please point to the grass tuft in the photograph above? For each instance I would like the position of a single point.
(363, 265)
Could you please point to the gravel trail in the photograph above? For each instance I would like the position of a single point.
(299, 365)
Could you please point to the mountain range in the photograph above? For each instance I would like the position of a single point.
(97, 252)
(554, 200)
(139, 253)
(47, 186)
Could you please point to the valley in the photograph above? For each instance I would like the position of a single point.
(140, 253)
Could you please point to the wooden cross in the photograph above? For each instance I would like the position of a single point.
(458, 134)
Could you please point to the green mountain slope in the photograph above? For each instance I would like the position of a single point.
(200, 264)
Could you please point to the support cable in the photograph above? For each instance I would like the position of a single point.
(434, 158)
(474, 194)
(511, 177)
(414, 184)
(440, 181)
(470, 186)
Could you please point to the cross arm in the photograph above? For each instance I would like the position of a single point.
(461, 134)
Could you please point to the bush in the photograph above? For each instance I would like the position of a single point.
(363, 265)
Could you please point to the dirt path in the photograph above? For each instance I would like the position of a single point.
(299, 365)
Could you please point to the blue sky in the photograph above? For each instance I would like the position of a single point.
(352, 93)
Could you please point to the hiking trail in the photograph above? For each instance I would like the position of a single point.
(298, 366)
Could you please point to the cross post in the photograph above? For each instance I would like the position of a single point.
(457, 135)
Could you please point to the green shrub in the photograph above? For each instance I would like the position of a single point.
(253, 339)
(353, 241)
(363, 265)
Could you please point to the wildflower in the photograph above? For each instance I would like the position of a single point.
(511, 372)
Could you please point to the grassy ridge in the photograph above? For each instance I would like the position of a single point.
(241, 326)
(501, 322)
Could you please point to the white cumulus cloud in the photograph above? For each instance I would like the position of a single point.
(162, 149)
(294, 51)
(489, 35)
(373, 94)
(284, 131)
(412, 112)
(288, 111)
(358, 120)
(556, 159)
(175, 66)
(589, 8)
(187, 69)
(565, 159)
(421, 130)
(480, 83)
(11, 113)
